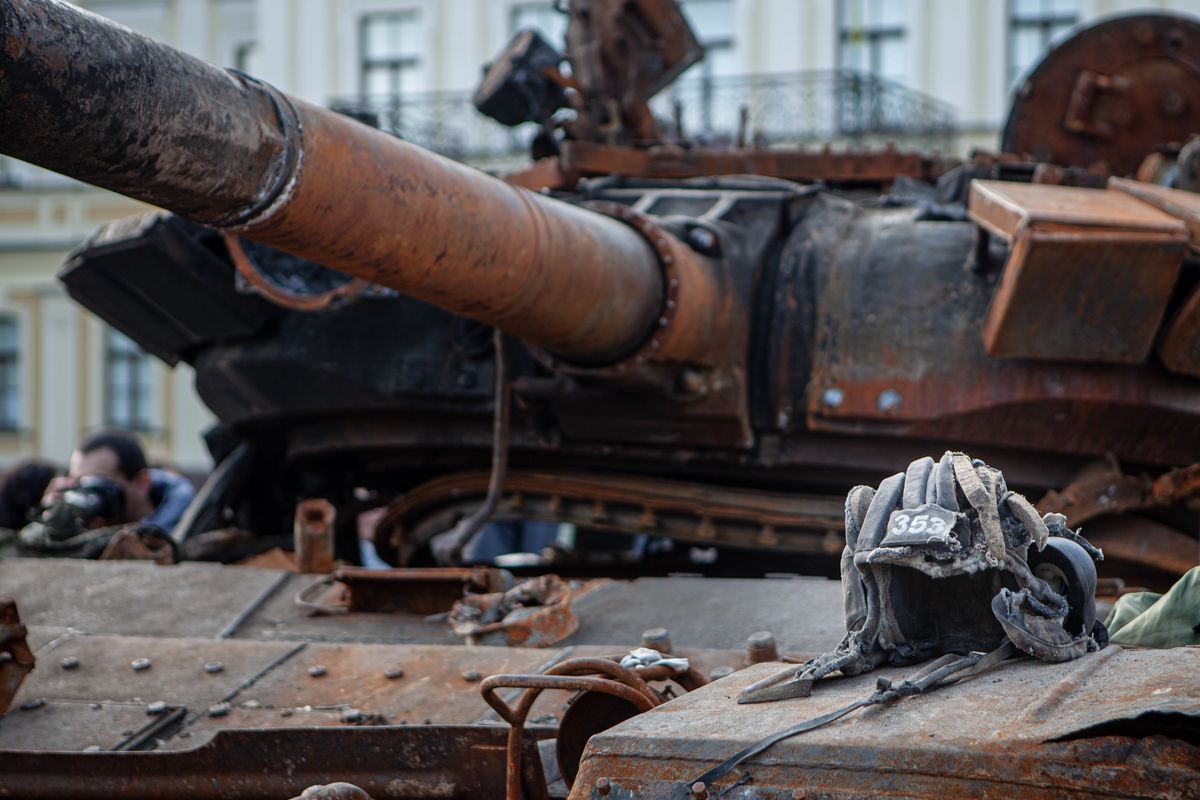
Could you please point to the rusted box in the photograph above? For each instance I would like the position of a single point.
(1179, 345)
(1089, 274)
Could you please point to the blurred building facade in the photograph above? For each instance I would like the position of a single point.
(946, 67)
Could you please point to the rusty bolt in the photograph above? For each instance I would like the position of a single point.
(657, 639)
(156, 708)
(70, 662)
(889, 401)
(691, 382)
(213, 667)
(218, 710)
(702, 239)
(798, 794)
(392, 673)
(33, 705)
(140, 664)
(471, 675)
(699, 790)
(603, 787)
(761, 647)
(316, 671)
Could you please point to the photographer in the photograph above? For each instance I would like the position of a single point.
(110, 505)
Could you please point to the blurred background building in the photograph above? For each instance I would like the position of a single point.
(923, 73)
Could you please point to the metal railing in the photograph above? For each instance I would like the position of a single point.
(806, 108)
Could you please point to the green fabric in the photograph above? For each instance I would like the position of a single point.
(1146, 619)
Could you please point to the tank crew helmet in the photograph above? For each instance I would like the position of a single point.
(944, 559)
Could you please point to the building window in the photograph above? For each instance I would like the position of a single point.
(128, 384)
(872, 38)
(10, 377)
(390, 47)
(544, 18)
(1033, 26)
(713, 23)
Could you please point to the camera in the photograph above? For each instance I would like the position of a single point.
(95, 502)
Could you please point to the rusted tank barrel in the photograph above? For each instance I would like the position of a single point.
(89, 99)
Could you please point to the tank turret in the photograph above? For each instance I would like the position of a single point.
(709, 344)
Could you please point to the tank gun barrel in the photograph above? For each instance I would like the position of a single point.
(87, 98)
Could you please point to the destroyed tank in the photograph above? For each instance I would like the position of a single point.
(699, 349)
(702, 345)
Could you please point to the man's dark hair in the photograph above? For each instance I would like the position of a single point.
(131, 459)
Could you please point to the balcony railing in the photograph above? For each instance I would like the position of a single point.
(808, 108)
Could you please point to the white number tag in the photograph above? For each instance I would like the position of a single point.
(923, 524)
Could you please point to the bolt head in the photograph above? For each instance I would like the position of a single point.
(213, 667)
(156, 708)
(316, 671)
(699, 790)
(471, 675)
(33, 705)
(832, 397)
(140, 664)
(798, 794)
(70, 662)
(761, 639)
(392, 673)
(889, 400)
(602, 786)
(702, 239)
(352, 715)
(218, 710)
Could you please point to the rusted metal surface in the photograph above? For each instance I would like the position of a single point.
(587, 288)
(421, 591)
(462, 762)
(589, 675)
(283, 296)
(1105, 498)
(534, 613)
(875, 370)
(1110, 95)
(312, 534)
(1179, 347)
(1089, 274)
(16, 659)
(1184, 206)
(622, 55)
(1028, 729)
(1145, 544)
(633, 505)
(584, 159)
(176, 676)
(135, 598)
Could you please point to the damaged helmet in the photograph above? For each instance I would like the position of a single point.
(943, 558)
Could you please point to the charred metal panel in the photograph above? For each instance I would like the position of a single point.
(165, 284)
(898, 351)
(1022, 729)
